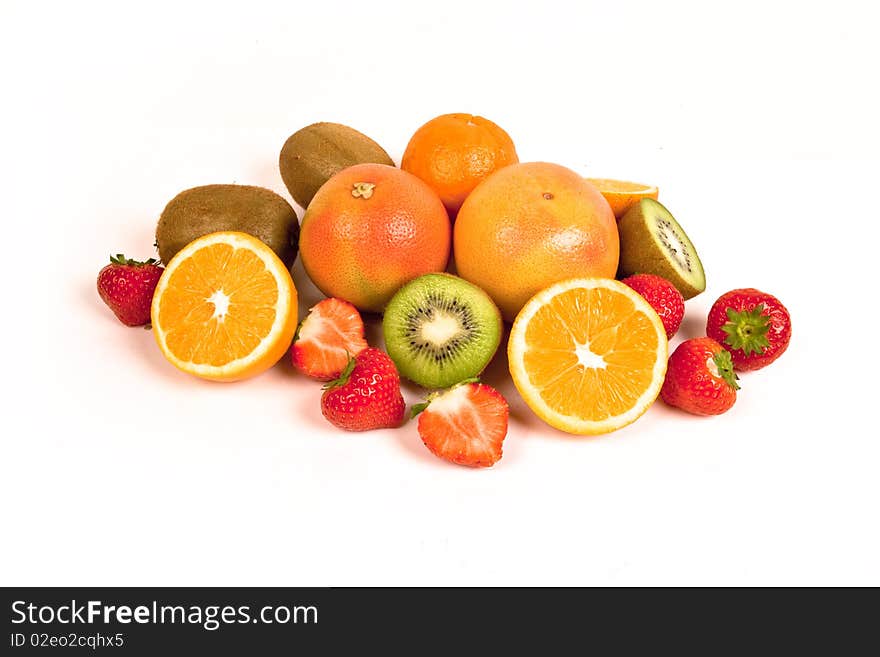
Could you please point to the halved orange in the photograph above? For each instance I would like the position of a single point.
(588, 355)
(225, 307)
(622, 195)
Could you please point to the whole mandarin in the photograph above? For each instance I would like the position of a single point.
(453, 153)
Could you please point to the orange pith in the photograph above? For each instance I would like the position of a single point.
(225, 307)
(587, 356)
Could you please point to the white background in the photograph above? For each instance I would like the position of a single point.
(758, 121)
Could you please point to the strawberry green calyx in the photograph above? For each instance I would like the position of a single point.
(747, 330)
(725, 368)
(343, 377)
(418, 408)
(120, 259)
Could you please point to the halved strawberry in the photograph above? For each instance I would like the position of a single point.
(331, 334)
(465, 424)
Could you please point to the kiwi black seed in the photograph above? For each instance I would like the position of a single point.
(253, 210)
(653, 242)
(440, 330)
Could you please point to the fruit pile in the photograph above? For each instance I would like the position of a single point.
(592, 274)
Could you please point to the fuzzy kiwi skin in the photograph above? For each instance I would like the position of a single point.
(640, 254)
(253, 210)
(436, 378)
(314, 154)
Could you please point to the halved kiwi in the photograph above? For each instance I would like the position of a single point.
(440, 330)
(653, 242)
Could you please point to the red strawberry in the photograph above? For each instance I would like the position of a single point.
(663, 296)
(700, 378)
(326, 340)
(366, 395)
(465, 424)
(752, 325)
(127, 287)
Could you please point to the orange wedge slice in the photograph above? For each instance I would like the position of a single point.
(588, 355)
(225, 307)
(622, 195)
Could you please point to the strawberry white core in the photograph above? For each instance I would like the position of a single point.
(441, 328)
(221, 305)
(450, 403)
(312, 328)
(588, 358)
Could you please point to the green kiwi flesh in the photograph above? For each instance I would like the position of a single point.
(440, 330)
(653, 242)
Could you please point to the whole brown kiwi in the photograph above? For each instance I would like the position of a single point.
(254, 210)
(314, 154)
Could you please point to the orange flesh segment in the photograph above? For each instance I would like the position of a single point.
(590, 353)
(198, 331)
